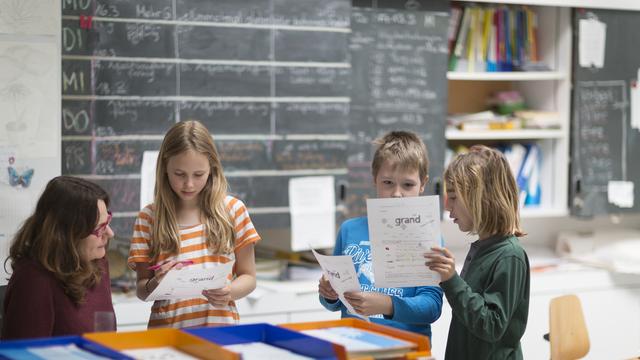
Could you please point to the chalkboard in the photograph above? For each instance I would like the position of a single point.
(399, 62)
(279, 84)
(605, 145)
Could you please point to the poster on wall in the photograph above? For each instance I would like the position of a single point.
(29, 129)
(33, 17)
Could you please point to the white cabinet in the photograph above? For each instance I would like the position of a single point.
(544, 90)
(277, 302)
(274, 302)
(611, 306)
(132, 314)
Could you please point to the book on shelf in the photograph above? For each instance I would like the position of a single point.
(493, 38)
(459, 47)
(454, 25)
(525, 162)
(481, 121)
(525, 179)
(361, 342)
(536, 119)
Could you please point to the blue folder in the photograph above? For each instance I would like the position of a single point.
(293, 341)
(16, 349)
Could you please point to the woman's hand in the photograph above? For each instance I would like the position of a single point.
(326, 291)
(218, 297)
(442, 261)
(370, 303)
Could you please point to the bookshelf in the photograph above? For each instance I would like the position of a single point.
(542, 90)
(506, 76)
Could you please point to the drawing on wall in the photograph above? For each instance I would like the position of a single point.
(29, 114)
(34, 17)
(29, 130)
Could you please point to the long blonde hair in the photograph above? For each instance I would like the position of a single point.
(53, 236)
(185, 136)
(483, 182)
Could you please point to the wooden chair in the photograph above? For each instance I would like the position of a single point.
(567, 330)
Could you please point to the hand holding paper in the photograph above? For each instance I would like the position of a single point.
(370, 302)
(341, 273)
(189, 282)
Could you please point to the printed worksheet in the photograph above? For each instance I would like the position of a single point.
(401, 230)
(158, 353)
(341, 273)
(189, 283)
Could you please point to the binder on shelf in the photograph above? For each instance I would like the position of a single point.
(534, 189)
(20, 349)
(162, 338)
(454, 26)
(279, 337)
(494, 38)
(529, 163)
(460, 40)
(515, 154)
(419, 346)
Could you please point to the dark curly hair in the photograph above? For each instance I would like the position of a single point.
(66, 213)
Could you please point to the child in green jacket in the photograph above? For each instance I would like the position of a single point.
(490, 297)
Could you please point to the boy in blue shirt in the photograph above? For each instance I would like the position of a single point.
(399, 168)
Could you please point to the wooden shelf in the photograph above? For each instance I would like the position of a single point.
(507, 76)
(455, 134)
(528, 213)
(603, 4)
(539, 212)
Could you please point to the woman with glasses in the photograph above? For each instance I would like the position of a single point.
(60, 275)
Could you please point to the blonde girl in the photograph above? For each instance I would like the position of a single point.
(490, 298)
(192, 222)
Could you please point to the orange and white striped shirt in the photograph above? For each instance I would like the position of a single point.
(185, 313)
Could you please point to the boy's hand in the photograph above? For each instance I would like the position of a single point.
(370, 303)
(218, 297)
(326, 291)
(442, 261)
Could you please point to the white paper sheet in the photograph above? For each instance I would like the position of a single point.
(158, 353)
(56, 352)
(147, 177)
(19, 192)
(341, 273)
(635, 103)
(189, 283)
(34, 17)
(401, 230)
(313, 212)
(620, 193)
(260, 350)
(592, 43)
(30, 115)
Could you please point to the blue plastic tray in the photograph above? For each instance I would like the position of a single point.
(293, 341)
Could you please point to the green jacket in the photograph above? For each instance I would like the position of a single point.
(490, 304)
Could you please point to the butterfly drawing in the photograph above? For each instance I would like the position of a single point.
(23, 179)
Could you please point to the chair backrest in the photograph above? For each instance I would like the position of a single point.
(567, 330)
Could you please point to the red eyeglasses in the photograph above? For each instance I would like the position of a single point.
(99, 231)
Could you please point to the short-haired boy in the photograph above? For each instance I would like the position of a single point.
(399, 168)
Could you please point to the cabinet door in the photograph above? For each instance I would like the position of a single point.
(274, 319)
(320, 315)
(613, 323)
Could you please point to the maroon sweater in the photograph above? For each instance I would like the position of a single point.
(35, 304)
